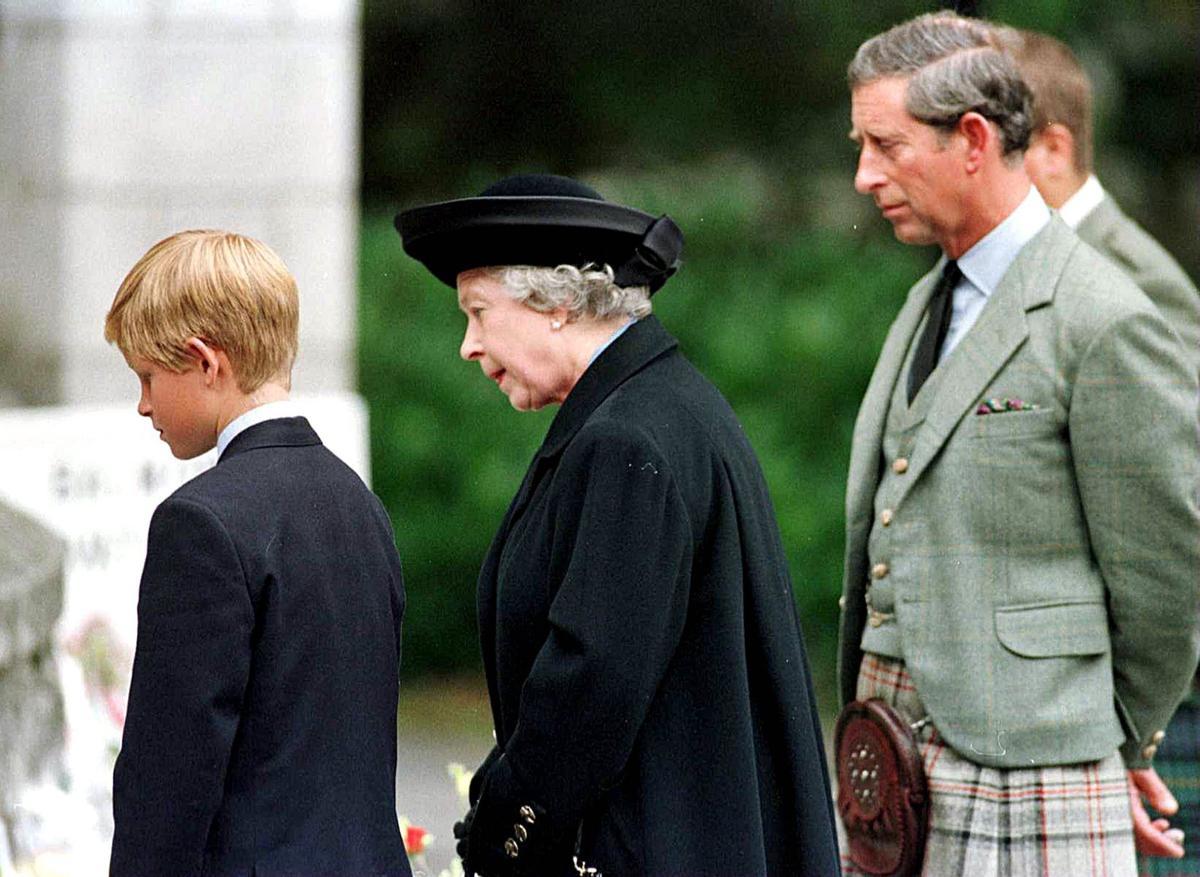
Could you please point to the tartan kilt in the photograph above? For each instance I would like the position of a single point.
(1056, 821)
(1178, 763)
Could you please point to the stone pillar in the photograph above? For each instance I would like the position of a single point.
(31, 707)
(127, 120)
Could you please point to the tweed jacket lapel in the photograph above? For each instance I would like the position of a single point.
(863, 476)
(987, 348)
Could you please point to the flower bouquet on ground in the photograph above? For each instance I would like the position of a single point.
(417, 840)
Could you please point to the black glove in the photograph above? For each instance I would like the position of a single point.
(507, 834)
(461, 831)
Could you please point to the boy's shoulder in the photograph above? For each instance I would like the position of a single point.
(266, 487)
(279, 463)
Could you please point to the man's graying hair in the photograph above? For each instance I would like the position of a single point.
(956, 65)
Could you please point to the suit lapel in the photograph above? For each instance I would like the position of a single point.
(863, 477)
(984, 351)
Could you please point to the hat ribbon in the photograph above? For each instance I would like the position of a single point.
(656, 255)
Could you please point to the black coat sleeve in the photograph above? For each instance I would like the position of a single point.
(191, 667)
(622, 555)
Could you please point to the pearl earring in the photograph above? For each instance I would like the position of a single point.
(555, 325)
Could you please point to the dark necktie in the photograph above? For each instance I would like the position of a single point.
(925, 359)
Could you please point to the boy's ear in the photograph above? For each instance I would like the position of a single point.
(207, 358)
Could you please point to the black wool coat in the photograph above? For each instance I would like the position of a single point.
(261, 731)
(648, 680)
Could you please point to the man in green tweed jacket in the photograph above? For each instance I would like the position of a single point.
(1022, 531)
(1059, 161)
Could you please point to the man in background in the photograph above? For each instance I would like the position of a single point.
(1060, 163)
(1059, 160)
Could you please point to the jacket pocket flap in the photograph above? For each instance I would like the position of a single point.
(1046, 630)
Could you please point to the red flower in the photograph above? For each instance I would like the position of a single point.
(415, 839)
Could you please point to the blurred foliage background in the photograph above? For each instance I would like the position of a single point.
(730, 115)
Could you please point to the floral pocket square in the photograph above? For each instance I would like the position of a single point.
(1000, 406)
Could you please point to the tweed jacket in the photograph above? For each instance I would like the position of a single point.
(261, 730)
(1043, 561)
(1152, 268)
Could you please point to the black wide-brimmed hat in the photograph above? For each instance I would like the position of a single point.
(544, 220)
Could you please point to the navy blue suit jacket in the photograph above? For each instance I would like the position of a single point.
(261, 730)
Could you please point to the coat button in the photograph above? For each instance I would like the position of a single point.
(1158, 736)
(900, 465)
(1149, 752)
(527, 814)
(842, 602)
(511, 848)
(879, 570)
(885, 517)
(520, 833)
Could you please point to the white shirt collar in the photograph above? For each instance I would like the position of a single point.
(1086, 199)
(253, 417)
(985, 263)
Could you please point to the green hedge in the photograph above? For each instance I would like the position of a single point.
(785, 320)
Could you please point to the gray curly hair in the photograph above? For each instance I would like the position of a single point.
(956, 65)
(589, 291)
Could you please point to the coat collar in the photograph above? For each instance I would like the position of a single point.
(1102, 220)
(282, 432)
(640, 344)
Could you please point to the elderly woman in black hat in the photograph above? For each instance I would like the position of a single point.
(651, 696)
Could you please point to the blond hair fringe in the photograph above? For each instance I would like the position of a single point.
(229, 290)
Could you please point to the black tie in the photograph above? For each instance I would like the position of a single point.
(925, 359)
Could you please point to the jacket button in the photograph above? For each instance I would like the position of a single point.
(842, 602)
(900, 465)
(885, 517)
(1149, 752)
(879, 570)
(511, 848)
(520, 833)
(527, 814)
(1158, 736)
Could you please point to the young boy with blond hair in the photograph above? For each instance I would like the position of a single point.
(261, 729)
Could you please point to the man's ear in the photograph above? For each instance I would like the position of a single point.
(979, 135)
(208, 358)
(1059, 143)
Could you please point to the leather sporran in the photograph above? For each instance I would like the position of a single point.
(882, 794)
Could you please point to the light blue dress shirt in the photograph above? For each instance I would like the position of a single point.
(984, 265)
